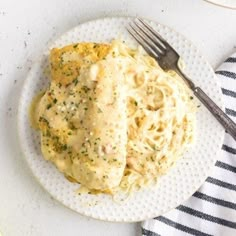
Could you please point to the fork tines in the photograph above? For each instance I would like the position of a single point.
(146, 36)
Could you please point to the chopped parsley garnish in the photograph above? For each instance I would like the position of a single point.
(99, 110)
(64, 147)
(42, 119)
(85, 89)
(75, 81)
(49, 106)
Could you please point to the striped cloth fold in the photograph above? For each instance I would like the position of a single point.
(212, 209)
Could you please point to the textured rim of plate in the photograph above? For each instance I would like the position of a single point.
(146, 215)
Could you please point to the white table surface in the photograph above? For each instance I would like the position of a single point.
(26, 27)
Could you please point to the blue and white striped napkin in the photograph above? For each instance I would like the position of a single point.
(212, 209)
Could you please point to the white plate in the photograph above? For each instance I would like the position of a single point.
(224, 3)
(175, 187)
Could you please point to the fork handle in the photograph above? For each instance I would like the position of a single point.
(224, 120)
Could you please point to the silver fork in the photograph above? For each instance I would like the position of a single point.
(168, 59)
